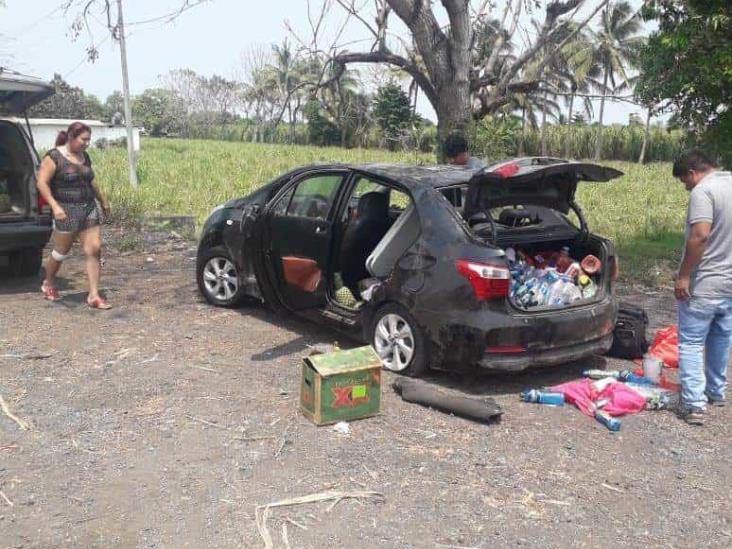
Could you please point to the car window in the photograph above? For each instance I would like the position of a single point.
(311, 197)
(282, 204)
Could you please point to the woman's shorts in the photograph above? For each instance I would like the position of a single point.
(78, 218)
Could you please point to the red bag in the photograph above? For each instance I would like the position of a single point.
(665, 346)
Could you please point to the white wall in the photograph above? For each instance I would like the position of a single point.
(45, 131)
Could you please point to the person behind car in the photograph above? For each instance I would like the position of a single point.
(704, 285)
(456, 152)
(66, 182)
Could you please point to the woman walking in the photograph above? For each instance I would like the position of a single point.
(66, 182)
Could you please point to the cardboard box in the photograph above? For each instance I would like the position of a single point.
(341, 386)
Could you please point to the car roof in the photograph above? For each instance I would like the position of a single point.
(442, 175)
(437, 175)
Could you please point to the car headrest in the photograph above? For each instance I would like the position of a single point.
(373, 205)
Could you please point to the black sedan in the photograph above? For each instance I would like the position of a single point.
(413, 260)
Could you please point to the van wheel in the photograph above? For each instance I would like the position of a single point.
(26, 262)
(399, 341)
(218, 278)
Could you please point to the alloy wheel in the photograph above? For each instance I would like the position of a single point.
(220, 278)
(394, 342)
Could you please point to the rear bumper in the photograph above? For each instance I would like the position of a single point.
(495, 336)
(25, 234)
(521, 361)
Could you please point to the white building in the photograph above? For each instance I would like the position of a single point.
(45, 131)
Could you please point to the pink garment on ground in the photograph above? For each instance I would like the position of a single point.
(621, 399)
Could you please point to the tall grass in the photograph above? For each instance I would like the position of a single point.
(642, 212)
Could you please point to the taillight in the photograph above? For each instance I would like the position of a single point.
(488, 281)
(507, 170)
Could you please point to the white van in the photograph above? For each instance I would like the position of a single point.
(25, 219)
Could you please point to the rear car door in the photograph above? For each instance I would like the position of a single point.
(297, 238)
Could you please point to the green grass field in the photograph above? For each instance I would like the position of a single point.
(643, 212)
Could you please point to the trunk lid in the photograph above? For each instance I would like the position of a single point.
(540, 181)
(19, 92)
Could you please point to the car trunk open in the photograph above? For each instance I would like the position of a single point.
(17, 167)
(525, 205)
(17, 173)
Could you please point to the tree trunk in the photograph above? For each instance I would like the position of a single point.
(646, 133)
(523, 133)
(542, 136)
(598, 147)
(453, 116)
(568, 137)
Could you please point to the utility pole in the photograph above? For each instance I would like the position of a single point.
(131, 161)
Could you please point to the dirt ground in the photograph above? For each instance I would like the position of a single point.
(166, 422)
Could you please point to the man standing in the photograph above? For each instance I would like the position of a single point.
(456, 152)
(704, 286)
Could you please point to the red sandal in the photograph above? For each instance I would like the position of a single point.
(98, 303)
(50, 292)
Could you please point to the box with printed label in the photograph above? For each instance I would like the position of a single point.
(341, 386)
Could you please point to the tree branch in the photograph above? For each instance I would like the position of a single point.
(343, 59)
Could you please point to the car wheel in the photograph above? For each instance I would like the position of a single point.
(399, 341)
(218, 278)
(26, 262)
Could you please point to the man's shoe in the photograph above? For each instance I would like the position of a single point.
(693, 416)
(718, 402)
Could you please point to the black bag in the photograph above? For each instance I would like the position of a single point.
(629, 336)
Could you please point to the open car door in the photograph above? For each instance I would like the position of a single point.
(19, 92)
(297, 238)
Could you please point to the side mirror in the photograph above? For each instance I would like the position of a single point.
(248, 217)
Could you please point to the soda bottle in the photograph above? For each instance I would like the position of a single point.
(564, 260)
(542, 397)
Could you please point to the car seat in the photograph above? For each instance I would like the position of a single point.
(366, 229)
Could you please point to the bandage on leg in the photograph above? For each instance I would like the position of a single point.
(57, 256)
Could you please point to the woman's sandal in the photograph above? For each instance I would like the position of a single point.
(50, 292)
(98, 303)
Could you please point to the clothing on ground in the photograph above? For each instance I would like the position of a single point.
(584, 392)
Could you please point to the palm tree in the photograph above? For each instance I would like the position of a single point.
(581, 71)
(616, 42)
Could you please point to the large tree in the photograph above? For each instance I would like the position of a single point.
(687, 67)
(460, 79)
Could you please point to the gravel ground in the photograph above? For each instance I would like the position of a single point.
(166, 422)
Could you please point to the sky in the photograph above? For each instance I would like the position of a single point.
(210, 39)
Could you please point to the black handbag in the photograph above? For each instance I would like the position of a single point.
(629, 335)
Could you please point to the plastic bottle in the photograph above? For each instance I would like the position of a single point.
(623, 375)
(571, 293)
(564, 260)
(574, 270)
(542, 397)
(607, 420)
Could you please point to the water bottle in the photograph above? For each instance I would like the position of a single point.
(607, 420)
(542, 397)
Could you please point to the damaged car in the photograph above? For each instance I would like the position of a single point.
(422, 262)
(25, 218)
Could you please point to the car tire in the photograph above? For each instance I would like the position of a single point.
(26, 262)
(399, 341)
(218, 278)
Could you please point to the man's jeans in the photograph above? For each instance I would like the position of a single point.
(705, 324)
